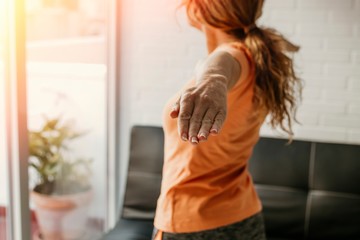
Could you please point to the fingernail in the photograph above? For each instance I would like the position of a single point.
(214, 131)
(202, 137)
(184, 137)
(194, 140)
(173, 114)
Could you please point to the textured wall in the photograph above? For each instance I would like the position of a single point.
(329, 33)
(159, 51)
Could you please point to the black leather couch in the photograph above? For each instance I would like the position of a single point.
(309, 190)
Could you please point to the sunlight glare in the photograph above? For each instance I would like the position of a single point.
(2, 20)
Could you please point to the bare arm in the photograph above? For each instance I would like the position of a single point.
(202, 110)
(222, 65)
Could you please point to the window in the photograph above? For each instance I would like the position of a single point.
(66, 128)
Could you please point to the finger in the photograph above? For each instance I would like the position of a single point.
(174, 113)
(206, 125)
(218, 122)
(185, 112)
(196, 122)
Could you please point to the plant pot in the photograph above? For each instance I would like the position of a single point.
(62, 217)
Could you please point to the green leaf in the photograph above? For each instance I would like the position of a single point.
(34, 166)
(47, 149)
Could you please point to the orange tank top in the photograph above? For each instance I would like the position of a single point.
(208, 185)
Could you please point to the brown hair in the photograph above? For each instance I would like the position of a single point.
(277, 86)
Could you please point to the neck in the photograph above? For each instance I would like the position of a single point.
(215, 38)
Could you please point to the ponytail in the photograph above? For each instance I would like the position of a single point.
(277, 86)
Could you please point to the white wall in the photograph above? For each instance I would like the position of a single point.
(329, 33)
(159, 52)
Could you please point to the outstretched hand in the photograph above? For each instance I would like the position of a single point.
(201, 110)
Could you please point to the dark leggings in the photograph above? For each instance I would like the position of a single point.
(251, 228)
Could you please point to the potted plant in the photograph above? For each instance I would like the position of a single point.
(62, 192)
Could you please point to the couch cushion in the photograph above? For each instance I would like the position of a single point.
(127, 229)
(333, 216)
(284, 211)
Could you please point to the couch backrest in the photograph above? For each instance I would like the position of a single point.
(308, 190)
(144, 172)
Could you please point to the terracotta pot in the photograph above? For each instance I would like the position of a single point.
(62, 217)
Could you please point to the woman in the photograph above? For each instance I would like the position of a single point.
(212, 125)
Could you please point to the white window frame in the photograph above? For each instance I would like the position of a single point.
(113, 111)
(16, 121)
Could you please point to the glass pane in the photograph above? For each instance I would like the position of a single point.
(66, 50)
(3, 159)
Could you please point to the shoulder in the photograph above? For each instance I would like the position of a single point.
(241, 54)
